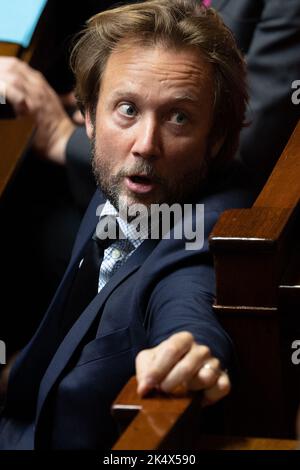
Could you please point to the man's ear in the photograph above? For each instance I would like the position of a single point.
(216, 147)
(88, 125)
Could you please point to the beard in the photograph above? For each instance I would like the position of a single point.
(181, 189)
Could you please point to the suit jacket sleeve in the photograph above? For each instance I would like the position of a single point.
(182, 300)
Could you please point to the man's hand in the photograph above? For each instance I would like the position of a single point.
(180, 361)
(30, 94)
(69, 101)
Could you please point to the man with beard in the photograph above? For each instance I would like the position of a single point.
(162, 88)
(265, 32)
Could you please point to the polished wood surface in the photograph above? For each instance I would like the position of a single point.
(282, 189)
(9, 49)
(154, 420)
(244, 240)
(256, 254)
(164, 422)
(15, 134)
(246, 443)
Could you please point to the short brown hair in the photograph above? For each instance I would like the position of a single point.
(173, 23)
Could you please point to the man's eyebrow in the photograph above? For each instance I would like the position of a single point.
(123, 94)
(127, 94)
(190, 98)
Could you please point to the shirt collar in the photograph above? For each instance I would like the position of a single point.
(127, 228)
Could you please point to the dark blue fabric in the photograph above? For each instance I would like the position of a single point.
(268, 33)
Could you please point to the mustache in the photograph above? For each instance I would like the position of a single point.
(144, 168)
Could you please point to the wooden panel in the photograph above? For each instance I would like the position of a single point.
(246, 443)
(9, 49)
(256, 405)
(156, 422)
(15, 134)
(252, 249)
(283, 187)
(251, 246)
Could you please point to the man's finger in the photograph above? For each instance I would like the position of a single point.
(220, 389)
(153, 365)
(207, 375)
(143, 363)
(186, 369)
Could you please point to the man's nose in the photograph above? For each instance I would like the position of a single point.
(147, 143)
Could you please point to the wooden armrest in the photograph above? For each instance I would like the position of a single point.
(158, 421)
(168, 422)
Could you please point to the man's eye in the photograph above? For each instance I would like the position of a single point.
(179, 118)
(127, 109)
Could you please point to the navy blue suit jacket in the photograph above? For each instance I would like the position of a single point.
(60, 393)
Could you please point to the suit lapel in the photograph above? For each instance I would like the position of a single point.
(84, 322)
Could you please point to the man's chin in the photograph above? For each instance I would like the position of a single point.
(128, 200)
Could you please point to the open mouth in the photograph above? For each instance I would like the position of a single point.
(140, 179)
(139, 183)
